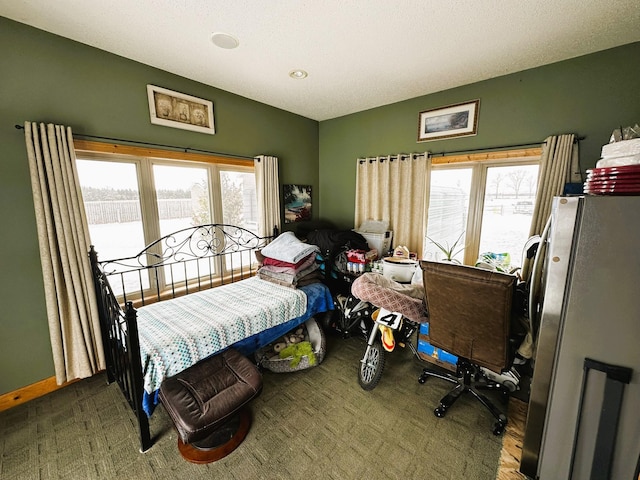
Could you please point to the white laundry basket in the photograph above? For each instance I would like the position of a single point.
(267, 358)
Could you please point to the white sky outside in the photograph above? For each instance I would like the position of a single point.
(455, 177)
(169, 178)
(99, 174)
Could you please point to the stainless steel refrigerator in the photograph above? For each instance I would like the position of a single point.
(588, 307)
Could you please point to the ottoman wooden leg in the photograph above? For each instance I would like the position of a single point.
(221, 442)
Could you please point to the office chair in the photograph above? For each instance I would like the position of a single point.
(470, 314)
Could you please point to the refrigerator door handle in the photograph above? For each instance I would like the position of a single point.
(535, 285)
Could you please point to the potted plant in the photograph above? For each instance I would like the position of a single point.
(449, 251)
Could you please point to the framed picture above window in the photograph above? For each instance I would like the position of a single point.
(458, 120)
(177, 110)
(297, 203)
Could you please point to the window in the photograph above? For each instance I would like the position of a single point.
(132, 199)
(481, 207)
(112, 203)
(182, 196)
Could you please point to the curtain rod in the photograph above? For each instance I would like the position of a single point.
(402, 156)
(137, 142)
(442, 154)
(471, 150)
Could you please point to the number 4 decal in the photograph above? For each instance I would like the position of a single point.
(389, 319)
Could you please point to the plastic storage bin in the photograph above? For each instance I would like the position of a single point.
(380, 241)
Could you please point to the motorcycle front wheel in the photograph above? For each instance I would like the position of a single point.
(371, 366)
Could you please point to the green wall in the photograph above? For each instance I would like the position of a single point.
(46, 78)
(589, 96)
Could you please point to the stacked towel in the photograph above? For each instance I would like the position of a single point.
(289, 262)
(288, 248)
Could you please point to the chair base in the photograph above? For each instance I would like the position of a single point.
(463, 385)
(220, 443)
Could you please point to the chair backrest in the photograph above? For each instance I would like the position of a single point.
(470, 312)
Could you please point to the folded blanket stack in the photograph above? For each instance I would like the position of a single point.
(290, 262)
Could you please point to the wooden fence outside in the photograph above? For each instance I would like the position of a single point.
(123, 211)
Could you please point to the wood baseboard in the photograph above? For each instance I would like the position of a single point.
(24, 394)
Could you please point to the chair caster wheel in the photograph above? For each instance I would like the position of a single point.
(440, 412)
(498, 429)
(422, 379)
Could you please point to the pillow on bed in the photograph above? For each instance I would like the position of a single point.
(288, 248)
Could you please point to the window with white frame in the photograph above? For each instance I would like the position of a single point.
(131, 200)
(481, 210)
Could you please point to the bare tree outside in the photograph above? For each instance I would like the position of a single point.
(516, 179)
(496, 181)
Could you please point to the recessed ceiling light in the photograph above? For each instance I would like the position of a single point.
(224, 40)
(298, 74)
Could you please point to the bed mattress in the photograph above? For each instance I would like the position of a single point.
(177, 333)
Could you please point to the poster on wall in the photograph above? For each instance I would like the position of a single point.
(297, 203)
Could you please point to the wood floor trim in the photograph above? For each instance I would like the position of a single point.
(30, 392)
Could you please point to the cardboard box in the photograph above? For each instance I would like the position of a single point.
(382, 242)
(435, 355)
(424, 329)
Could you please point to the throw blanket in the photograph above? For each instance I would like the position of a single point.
(287, 279)
(393, 296)
(175, 334)
(288, 248)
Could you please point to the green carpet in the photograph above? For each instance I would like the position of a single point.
(312, 424)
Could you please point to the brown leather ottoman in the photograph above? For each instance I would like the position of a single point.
(206, 404)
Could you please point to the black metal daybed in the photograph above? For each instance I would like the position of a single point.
(184, 298)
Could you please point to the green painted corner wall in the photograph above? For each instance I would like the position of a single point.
(588, 96)
(46, 78)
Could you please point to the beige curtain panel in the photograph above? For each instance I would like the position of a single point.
(557, 166)
(268, 194)
(64, 244)
(394, 189)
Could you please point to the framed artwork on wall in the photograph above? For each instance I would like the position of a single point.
(458, 120)
(178, 110)
(297, 203)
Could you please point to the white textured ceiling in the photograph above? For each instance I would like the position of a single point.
(359, 54)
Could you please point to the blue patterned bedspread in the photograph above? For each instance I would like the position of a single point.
(176, 334)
